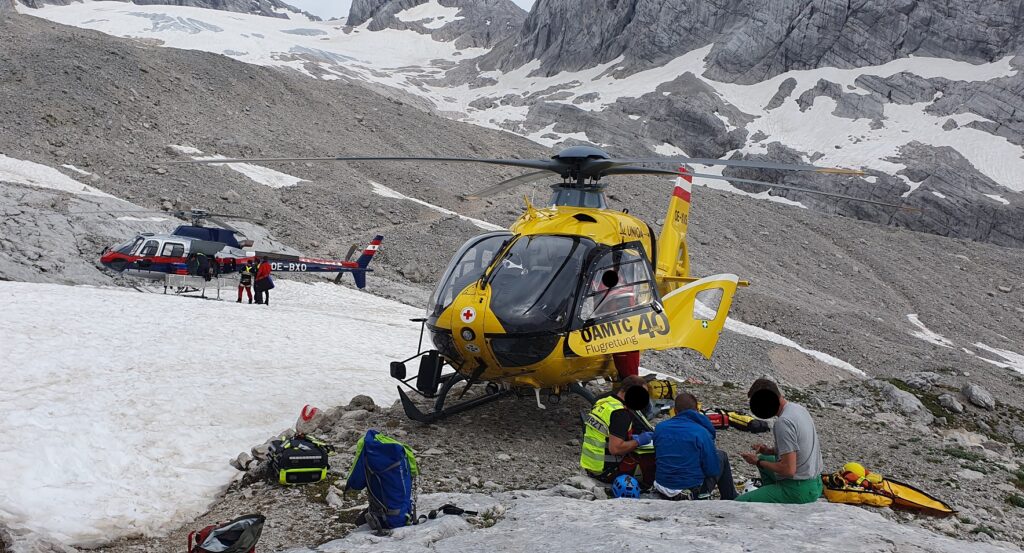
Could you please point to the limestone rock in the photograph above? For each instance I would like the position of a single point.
(979, 396)
(950, 403)
(906, 403)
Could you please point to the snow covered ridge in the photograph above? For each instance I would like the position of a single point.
(134, 419)
(532, 521)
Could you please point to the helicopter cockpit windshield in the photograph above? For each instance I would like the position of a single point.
(534, 282)
(468, 265)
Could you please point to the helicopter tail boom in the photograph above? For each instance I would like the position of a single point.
(673, 257)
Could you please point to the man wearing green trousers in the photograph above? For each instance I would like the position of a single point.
(790, 471)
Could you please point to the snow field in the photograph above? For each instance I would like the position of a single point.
(128, 406)
(1008, 359)
(43, 176)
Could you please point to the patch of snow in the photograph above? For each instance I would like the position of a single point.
(134, 405)
(913, 185)
(82, 172)
(386, 192)
(541, 136)
(187, 150)
(1011, 359)
(998, 198)
(29, 173)
(257, 174)
(666, 149)
(849, 142)
(759, 333)
(938, 194)
(924, 333)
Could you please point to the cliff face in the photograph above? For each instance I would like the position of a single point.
(758, 39)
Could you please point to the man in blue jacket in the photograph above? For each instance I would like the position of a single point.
(689, 465)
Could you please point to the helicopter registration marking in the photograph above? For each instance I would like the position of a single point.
(612, 335)
(291, 267)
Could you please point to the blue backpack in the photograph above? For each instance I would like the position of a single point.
(386, 469)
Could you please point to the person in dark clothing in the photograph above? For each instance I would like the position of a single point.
(214, 268)
(263, 282)
(202, 265)
(689, 464)
(245, 280)
(617, 437)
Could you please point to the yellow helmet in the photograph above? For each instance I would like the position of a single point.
(855, 468)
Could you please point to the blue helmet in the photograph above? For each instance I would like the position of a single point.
(626, 486)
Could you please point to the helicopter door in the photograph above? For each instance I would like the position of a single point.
(625, 315)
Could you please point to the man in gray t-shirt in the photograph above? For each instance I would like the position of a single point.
(790, 471)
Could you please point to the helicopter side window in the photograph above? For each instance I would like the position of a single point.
(149, 249)
(620, 281)
(173, 249)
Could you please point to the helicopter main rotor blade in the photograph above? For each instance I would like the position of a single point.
(744, 163)
(542, 164)
(508, 184)
(633, 170)
(799, 189)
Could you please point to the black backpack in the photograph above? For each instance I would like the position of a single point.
(300, 460)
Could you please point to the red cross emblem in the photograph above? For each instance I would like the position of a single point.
(468, 315)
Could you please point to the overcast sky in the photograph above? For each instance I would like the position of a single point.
(339, 8)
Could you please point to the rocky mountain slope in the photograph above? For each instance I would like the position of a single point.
(467, 23)
(924, 96)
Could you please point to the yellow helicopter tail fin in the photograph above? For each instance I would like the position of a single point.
(673, 257)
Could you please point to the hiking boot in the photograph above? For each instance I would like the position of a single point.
(239, 300)
(250, 302)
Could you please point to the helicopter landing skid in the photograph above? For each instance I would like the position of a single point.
(439, 412)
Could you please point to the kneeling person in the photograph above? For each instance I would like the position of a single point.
(790, 471)
(617, 437)
(689, 465)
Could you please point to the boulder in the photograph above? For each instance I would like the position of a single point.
(950, 403)
(362, 402)
(310, 420)
(979, 396)
(1018, 435)
(922, 380)
(906, 403)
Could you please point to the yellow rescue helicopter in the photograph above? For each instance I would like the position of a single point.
(548, 304)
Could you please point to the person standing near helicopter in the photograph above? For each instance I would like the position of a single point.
(263, 282)
(245, 280)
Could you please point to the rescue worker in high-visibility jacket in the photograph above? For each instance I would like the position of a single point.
(245, 280)
(617, 438)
